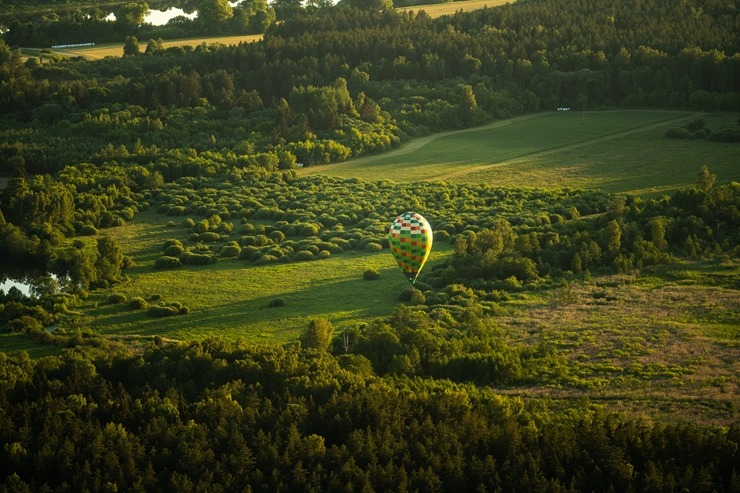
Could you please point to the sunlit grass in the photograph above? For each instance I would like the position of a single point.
(116, 49)
(230, 299)
(617, 151)
(448, 8)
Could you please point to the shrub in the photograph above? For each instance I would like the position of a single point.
(25, 324)
(695, 125)
(190, 258)
(115, 298)
(137, 303)
(178, 210)
(88, 230)
(276, 302)
(174, 250)
(261, 240)
(373, 247)
(303, 255)
(164, 310)
(167, 262)
(323, 254)
(677, 133)
(371, 275)
(277, 236)
(729, 133)
(247, 252)
(170, 242)
(231, 249)
(188, 223)
(209, 237)
(266, 259)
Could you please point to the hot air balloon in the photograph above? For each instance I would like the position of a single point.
(410, 239)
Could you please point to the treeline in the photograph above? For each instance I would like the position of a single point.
(342, 82)
(228, 417)
(45, 25)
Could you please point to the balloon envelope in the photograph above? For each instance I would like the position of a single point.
(410, 240)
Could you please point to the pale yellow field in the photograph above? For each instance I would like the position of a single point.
(434, 10)
(448, 8)
(102, 51)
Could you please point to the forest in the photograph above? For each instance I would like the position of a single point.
(442, 394)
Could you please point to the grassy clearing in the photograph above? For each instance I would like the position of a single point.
(230, 299)
(448, 8)
(617, 151)
(116, 49)
(648, 344)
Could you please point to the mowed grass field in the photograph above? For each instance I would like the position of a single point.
(116, 49)
(448, 8)
(621, 151)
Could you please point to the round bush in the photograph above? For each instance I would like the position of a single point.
(247, 252)
(160, 311)
(323, 254)
(677, 133)
(167, 262)
(188, 223)
(190, 258)
(209, 237)
(170, 242)
(88, 230)
(266, 259)
(174, 250)
(373, 247)
(231, 250)
(371, 275)
(304, 255)
(277, 236)
(276, 302)
(115, 298)
(137, 303)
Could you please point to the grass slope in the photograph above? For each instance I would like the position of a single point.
(230, 299)
(621, 151)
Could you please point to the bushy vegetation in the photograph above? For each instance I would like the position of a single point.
(441, 395)
(214, 416)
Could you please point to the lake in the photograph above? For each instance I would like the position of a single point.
(160, 17)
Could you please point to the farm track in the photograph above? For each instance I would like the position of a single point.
(417, 144)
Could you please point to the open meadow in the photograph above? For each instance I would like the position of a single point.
(449, 8)
(231, 298)
(617, 151)
(116, 49)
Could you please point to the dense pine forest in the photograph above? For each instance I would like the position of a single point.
(447, 393)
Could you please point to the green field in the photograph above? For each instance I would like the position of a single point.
(449, 8)
(230, 299)
(617, 151)
(116, 49)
